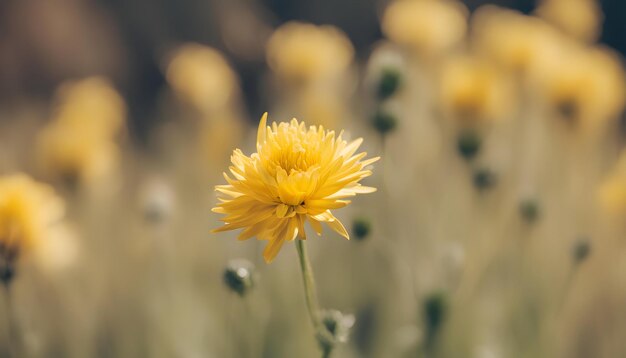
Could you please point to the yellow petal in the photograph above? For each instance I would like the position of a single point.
(272, 249)
(301, 231)
(338, 227)
(281, 210)
(317, 227)
(262, 132)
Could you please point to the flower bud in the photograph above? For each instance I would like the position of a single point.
(337, 324)
(361, 228)
(7, 272)
(239, 276)
(529, 209)
(568, 110)
(484, 179)
(390, 82)
(384, 122)
(581, 250)
(468, 144)
(435, 308)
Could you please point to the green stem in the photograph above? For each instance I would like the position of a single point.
(326, 352)
(310, 295)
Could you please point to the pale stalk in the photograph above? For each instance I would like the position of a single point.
(321, 333)
(12, 334)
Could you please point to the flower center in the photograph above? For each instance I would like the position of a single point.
(289, 211)
(293, 160)
(294, 189)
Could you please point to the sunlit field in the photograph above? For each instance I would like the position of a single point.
(440, 179)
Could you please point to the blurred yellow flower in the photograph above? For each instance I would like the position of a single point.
(74, 156)
(90, 105)
(471, 91)
(79, 143)
(425, 26)
(296, 175)
(202, 76)
(300, 52)
(519, 43)
(581, 19)
(27, 210)
(587, 87)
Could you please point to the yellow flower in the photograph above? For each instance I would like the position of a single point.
(92, 106)
(473, 91)
(300, 52)
(587, 87)
(581, 19)
(519, 43)
(425, 26)
(202, 76)
(27, 210)
(79, 143)
(72, 155)
(296, 175)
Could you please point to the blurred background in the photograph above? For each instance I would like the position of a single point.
(44, 44)
(496, 231)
